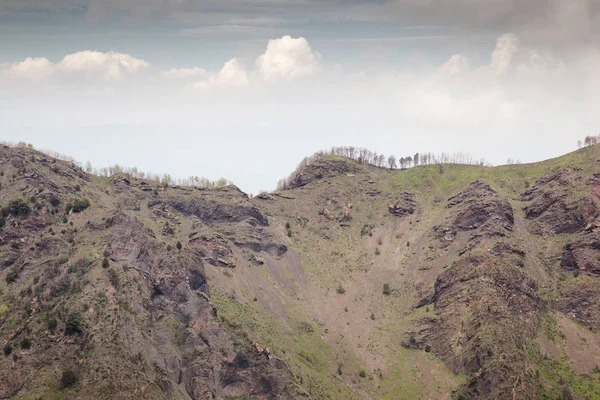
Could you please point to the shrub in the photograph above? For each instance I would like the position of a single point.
(362, 373)
(114, 278)
(65, 220)
(340, 289)
(77, 205)
(407, 244)
(366, 230)
(12, 275)
(80, 265)
(377, 251)
(289, 233)
(427, 349)
(14, 245)
(105, 263)
(78, 188)
(54, 200)
(380, 241)
(8, 349)
(339, 370)
(68, 378)
(178, 245)
(386, 289)
(373, 316)
(18, 208)
(26, 344)
(411, 210)
(287, 225)
(52, 324)
(2, 222)
(74, 325)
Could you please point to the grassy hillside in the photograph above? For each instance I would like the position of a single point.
(358, 282)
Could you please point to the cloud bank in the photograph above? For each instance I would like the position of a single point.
(522, 101)
(108, 66)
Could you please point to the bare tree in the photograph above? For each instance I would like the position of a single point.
(392, 162)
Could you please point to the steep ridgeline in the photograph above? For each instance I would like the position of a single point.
(441, 281)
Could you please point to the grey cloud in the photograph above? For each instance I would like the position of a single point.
(501, 15)
(551, 23)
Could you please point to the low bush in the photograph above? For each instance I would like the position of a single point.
(74, 325)
(12, 275)
(68, 378)
(386, 289)
(18, 208)
(114, 278)
(52, 324)
(77, 205)
(54, 200)
(26, 344)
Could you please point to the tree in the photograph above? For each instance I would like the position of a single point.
(392, 162)
(579, 144)
(409, 161)
(416, 159)
(166, 180)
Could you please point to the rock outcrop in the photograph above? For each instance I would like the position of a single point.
(552, 210)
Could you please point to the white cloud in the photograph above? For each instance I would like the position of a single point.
(495, 108)
(92, 64)
(232, 75)
(287, 58)
(506, 47)
(30, 68)
(457, 64)
(111, 65)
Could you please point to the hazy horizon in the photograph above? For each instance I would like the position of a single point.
(245, 91)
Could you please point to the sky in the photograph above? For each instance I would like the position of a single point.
(246, 90)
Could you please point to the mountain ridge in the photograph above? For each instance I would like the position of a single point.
(356, 282)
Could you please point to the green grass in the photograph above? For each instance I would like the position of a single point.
(307, 355)
(556, 375)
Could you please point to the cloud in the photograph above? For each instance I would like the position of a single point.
(93, 65)
(30, 69)
(232, 75)
(546, 20)
(111, 65)
(287, 58)
(229, 30)
(493, 105)
(502, 57)
(457, 64)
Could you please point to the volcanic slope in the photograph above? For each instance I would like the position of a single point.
(357, 282)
